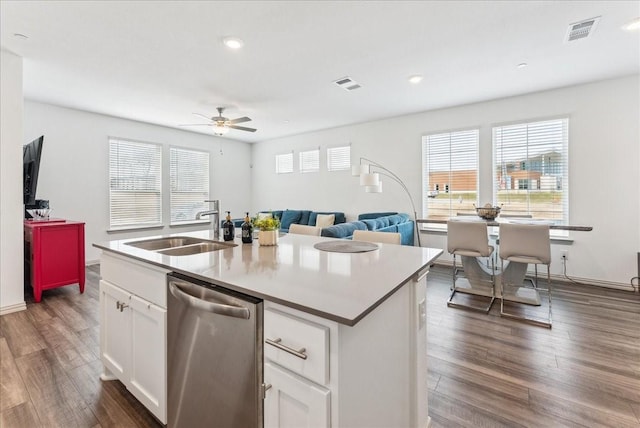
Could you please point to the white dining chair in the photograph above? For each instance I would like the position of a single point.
(530, 244)
(470, 239)
(301, 229)
(371, 236)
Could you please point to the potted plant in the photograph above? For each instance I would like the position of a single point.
(267, 230)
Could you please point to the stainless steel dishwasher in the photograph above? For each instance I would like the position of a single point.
(214, 356)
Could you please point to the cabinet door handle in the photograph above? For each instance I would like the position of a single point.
(300, 353)
(121, 305)
(265, 388)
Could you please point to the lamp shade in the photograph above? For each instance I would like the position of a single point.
(374, 189)
(369, 179)
(357, 170)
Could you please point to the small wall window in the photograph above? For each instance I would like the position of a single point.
(339, 158)
(310, 161)
(284, 163)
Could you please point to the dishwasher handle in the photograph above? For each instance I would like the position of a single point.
(181, 293)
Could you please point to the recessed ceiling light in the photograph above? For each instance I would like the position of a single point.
(20, 36)
(633, 25)
(286, 121)
(233, 42)
(415, 79)
(522, 65)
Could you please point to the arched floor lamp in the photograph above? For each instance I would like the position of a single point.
(370, 179)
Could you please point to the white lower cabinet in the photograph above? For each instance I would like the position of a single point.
(294, 402)
(320, 373)
(133, 334)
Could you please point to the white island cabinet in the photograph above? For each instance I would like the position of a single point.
(133, 329)
(324, 374)
(344, 335)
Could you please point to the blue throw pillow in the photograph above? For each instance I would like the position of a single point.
(394, 219)
(289, 217)
(372, 224)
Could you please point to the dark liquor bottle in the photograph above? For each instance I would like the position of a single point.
(227, 228)
(247, 230)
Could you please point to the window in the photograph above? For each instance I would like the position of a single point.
(135, 194)
(310, 161)
(530, 169)
(339, 158)
(449, 162)
(284, 163)
(189, 183)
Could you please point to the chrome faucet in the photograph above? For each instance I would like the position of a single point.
(214, 215)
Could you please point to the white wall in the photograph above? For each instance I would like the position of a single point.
(604, 175)
(74, 167)
(11, 255)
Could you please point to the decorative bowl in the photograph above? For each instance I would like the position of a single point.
(488, 213)
(40, 214)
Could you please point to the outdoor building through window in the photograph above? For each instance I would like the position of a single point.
(530, 169)
(189, 183)
(449, 173)
(135, 177)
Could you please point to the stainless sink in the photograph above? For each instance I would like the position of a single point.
(203, 247)
(162, 243)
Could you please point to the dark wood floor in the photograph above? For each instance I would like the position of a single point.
(484, 371)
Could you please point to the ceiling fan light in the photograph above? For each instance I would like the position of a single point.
(220, 129)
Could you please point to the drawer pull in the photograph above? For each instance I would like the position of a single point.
(277, 343)
(421, 277)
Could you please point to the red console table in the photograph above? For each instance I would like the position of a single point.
(54, 254)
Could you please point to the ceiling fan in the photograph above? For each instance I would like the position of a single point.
(221, 125)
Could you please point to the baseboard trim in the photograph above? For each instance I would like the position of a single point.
(560, 278)
(13, 308)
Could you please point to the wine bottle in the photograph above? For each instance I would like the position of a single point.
(247, 230)
(227, 228)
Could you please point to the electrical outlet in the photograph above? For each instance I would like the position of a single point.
(564, 255)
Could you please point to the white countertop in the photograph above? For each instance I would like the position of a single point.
(342, 287)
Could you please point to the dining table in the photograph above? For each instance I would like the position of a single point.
(478, 272)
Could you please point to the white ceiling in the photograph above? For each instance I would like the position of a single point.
(159, 62)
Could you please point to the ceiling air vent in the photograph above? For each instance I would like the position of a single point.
(582, 29)
(347, 83)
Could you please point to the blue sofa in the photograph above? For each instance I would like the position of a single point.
(306, 217)
(379, 222)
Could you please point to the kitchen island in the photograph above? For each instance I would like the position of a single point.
(359, 319)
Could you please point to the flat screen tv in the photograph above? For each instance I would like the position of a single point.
(30, 166)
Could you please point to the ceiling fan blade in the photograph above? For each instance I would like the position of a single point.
(195, 124)
(239, 120)
(202, 115)
(242, 128)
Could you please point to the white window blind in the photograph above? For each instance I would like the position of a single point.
(284, 163)
(449, 173)
(189, 183)
(530, 169)
(135, 193)
(310, 161)
(339, 158)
